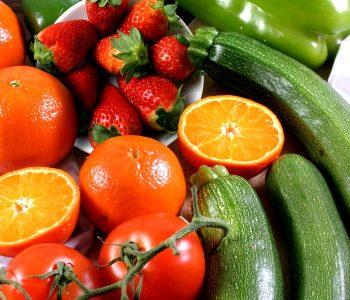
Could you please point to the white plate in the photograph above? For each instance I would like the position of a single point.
(340, 75)
(192, 89)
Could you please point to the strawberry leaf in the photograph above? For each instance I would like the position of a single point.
(134, 53)
(169, 120)
(101, 133)
(184, 41)
(103, 3)
(170, 12)
(43, 56)
(159, 5)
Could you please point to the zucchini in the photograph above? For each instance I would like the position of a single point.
(319, 248)
(316, 113)
(246, 265)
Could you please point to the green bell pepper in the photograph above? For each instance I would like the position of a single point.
(299, 28)
(42, 13)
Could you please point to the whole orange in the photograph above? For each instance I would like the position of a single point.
(12, 47)
(38, 122)
(129, 176)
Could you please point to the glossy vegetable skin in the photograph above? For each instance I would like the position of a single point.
(319, 247)
(166, 276)
(39, 14)
(316, 113)
(43, 258)
(297, 28)
(246, 265)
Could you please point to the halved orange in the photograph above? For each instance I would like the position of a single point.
(37, 205)
(238, 133)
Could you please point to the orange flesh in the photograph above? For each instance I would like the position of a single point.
(232, 129)
(33, 202)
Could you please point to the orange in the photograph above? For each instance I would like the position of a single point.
(37, 205)
(237, 133)
(129, 176)
(38, 122)
(12, 46)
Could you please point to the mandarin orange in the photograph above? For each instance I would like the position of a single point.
(37, 205)
(238, 133)
(12, 46)
(38, 122)
(129, 176)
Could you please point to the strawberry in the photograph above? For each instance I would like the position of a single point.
(157, 100)
(122, 53)
(63, 46)
(83, 83)
(106, 14)
(151, 18)
(113, 116)
(170, 58)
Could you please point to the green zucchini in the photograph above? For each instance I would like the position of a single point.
(316, 113)
(246, 265)
(318, 245)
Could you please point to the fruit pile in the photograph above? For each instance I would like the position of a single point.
(119, 74)
(135, 45)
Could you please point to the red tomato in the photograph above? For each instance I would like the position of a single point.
(42, 258)
(166, 276)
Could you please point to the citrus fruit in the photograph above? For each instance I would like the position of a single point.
(37, 205)
(12, 47)
(129, 176)
(38, 122)
(237, 133)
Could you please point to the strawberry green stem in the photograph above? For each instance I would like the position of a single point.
(103, 3)
(43, 56)
(134, 53)
(168, 120)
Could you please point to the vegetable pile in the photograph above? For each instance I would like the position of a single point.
(118, 75)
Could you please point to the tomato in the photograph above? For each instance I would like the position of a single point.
(166, 276)
(42, 258)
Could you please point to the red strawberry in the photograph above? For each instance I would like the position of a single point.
(122, 53)
(157, 100)
(63, 46)
(105, 55)
(113, 116)
(83, 84)
(106, 14)
(151, 18)
(171, 60)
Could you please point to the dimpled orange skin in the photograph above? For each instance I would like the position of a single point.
(38, 122)
(12, 46)
(129, 176)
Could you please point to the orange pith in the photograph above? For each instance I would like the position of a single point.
(36, 205)
(236, 132)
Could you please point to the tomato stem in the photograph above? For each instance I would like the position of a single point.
(16, 285)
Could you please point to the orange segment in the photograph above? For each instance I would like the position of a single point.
(235, 132)
(36, 205)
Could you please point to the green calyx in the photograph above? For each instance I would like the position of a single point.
(103, 3)
(134, 53)
(184, 41)
(169, 10)
(200, 45)
(169, 120)
(207, 174)
(101, 133)
(43, 56)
